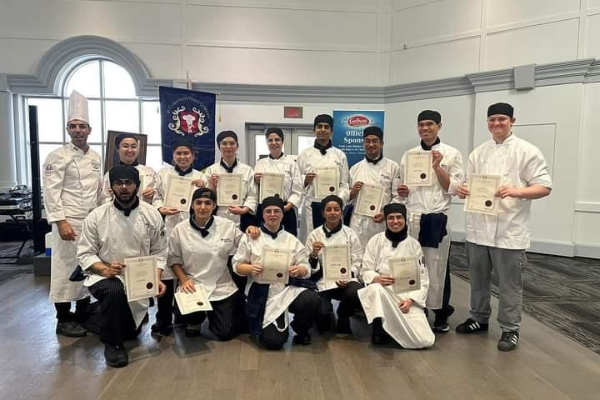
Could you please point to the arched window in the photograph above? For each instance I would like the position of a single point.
(113, 105)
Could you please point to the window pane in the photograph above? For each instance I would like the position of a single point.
(305, 142)
(154, 157)
(260, 147)
(50, 123)
(95, 120)
(151, 121)
(123, 116)
(117, 82)
(85, 79)
(46, 149)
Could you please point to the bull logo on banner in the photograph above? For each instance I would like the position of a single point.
(188, 122)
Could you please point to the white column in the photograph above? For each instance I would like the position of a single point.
(8, 164)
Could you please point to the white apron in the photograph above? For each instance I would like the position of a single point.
(63, 263)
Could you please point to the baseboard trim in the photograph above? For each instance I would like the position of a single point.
(588, 250)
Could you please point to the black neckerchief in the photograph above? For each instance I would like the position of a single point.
(321, 148)
(273, 158)
(375, 160)
(266, 231)
(425, 147)
(135, 163)
(396, 237)
(228, 168)
(127, 210)
(182, 172)
(203, 231)
(330, 233)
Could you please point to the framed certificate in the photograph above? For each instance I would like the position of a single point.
(369, 200)
(271, 184)
(141, 280)
(229, 190)
(482, 194)
(275, 263)
(326, 182)
(406, 274)
(179, 192)
(193, 302)
(418, 169)
(336, 263)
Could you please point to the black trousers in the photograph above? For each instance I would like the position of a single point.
(116, 320)
(226, 320)
(64, 314)
(304, 308)
(347, 296)
(240, 281)
(164, 313)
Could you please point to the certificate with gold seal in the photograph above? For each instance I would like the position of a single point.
(482, 194)
(406, 274)
(418, 168)
(271, 184)
(179, 192)
(141, 277)
(327, 181)
(229, 190)
(336, 263)
(192, 302)
(275, 263)
(369, 200)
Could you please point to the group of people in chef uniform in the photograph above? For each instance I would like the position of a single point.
(99, 220)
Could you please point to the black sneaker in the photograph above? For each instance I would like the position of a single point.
(193, 330)
(380, 339)
(161, 329)
(508, 341)
(471, 326)
(303, 339)
(116, 356)
(343, 327)
(441, 327)
(70, 329)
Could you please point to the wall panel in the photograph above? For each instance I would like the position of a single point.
(503, 12)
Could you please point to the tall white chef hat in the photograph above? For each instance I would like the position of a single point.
(78, 107)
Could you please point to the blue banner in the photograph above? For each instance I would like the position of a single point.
(191, 115)
(348, 129)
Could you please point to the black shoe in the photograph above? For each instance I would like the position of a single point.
(303, 339)
(471, 326)
(193, 330)
(161, 329)
(325, 323)
(508, 341)
(70, 329)
(440, 324)
(379, 339)
(343, 327)
(116, 356)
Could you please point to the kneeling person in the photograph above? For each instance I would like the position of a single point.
(400, 316)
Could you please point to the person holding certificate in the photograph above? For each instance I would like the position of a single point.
(335, 255)
(396, 314)
(428, 206)
(199, 249)
(498, 241)
(279, 175)
(372, 181)
(125, 228)
(129, 149)
(328, 161)
(274, 257)
(183, 157)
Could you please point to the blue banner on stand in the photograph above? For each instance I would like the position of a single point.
(190, 115)
(348, 129)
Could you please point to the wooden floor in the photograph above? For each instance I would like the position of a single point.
(36, 364)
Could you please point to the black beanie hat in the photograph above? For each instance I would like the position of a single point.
(429, 115)
(323, 118)
(275, 130)
(501, 108)
(225, 134)
(121, 172)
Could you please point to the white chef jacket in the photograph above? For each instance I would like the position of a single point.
(249, 197)
(345, 236)
(108, 235)
(292, 186)
(280, 296)
(149, 178)
(520, 164)
(204, 259)
(311, 159)
(385, 174)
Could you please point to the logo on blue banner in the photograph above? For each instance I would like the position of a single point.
(348, 127)
(190, 115)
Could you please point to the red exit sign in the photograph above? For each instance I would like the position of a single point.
(292, 112)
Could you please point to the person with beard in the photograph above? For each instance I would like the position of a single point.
(279, 163)
(374, 169)
(428, 207)
(113, 232)
(321, 155)
(129, 149)
(183, 157)
(334, 233)
(72, 182)
(399, 316)
(268, 304)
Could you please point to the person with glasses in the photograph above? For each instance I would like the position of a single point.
(72, 181)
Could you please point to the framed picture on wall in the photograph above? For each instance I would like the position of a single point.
(111, 158)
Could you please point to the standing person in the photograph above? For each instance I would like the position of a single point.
(278, 162)
(183, 157)
(113, 232)
(428, 208)
(321, 155)
(268, 304)
(72, 182)
(129, 150)
(374, 169)
(498, 242)
(400, 316)
(334, 233)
